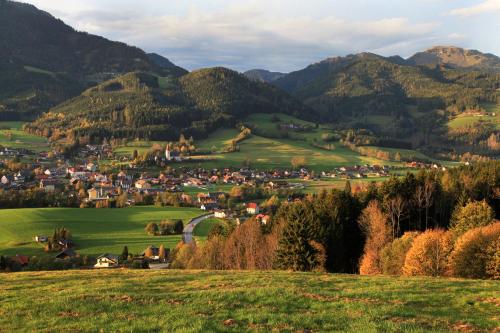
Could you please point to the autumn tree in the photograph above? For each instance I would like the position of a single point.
(162, 253)
(393, 255)
(152, 228)
(474, 214)
(472, 254)
(429, 254)
(373, 223)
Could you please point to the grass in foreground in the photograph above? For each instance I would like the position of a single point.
(203, 301)
(95, 231)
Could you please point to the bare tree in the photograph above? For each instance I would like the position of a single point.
(395, 207)
(419, 199)
(428, 199)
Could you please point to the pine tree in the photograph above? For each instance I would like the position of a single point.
(125, 253)
(296, 250)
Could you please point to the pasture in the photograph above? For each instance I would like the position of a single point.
(232, 301)
(492, 116)
(94, 231)
(12, 136)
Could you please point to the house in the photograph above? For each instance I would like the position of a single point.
(209, 206)
(252, 208)
(107, 261)
(262, 218)
(49, 185)
(91, 167)
(142, 184)
(220, 214)
(66, 253)
(41, 239)
(21, 260)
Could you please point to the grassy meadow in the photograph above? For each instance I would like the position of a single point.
(245, 301)
(12, 136)
(95, 231)
(465, 120)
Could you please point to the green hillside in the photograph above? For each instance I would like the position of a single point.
(387, 97)
(145, 106)
(95, 231)
(245, 301)
(44, 61)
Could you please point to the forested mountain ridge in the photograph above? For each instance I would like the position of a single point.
(146, 106)
(263, 75)
(44, 61)
(386, 96)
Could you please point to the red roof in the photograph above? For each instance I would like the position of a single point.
(23, 260)
(252, 205)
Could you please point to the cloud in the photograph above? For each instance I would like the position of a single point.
(486, 7)
(246, 36)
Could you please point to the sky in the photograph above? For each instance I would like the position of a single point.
(282, 35)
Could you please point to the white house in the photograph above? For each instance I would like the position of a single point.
(220, 214)
(107, 261)
(253, 208)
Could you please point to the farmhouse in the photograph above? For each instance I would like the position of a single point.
(252, 208)
(209, 206)
(220, 214)
(66, 253)
(49, 185)
(107, 261)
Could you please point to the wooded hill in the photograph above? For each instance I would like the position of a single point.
(44, 61)
(388, 96)
(147, 106)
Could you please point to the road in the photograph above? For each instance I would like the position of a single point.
(187, 233)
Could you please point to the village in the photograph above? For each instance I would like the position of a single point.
(232, 194)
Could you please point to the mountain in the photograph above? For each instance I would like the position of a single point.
(456, 57)
(146, 106)
(45, 61)
(386, 96)
(166, 64)
(263, 75)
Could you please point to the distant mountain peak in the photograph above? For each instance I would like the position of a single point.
(456, 57)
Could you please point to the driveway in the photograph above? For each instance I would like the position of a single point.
(187, 233)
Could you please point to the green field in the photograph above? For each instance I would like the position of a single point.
(246, 301)
(267, 153)
(12, 136)
(203, 228)
(95, 231)
(469, 120)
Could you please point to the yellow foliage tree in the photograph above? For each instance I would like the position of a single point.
(473, 253)
(429, 254)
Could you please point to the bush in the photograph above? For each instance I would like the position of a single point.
(393, 255)
(474, 254)
(152, 228)
(429, 254)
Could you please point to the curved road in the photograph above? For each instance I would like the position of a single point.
(187, 233)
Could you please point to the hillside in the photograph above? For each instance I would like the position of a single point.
(45, 61)
(263, 75)
(231, 301)
(456, 57)
(389, 98)
(141, 105)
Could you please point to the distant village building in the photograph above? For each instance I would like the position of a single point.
(107, 261)
(220, 214)
(253, 208)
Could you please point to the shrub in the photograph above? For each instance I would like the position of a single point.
(393, 255)
(429, 254)
(152, 228)
(474, 214)
(473, 256)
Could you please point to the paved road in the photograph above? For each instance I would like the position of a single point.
(187, 233)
